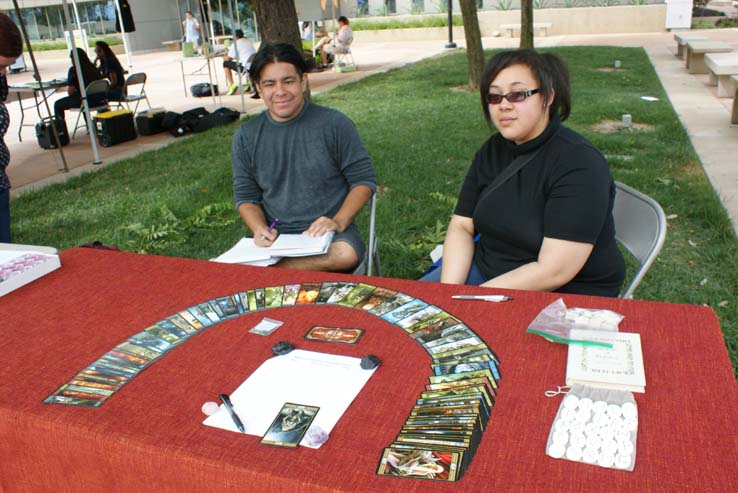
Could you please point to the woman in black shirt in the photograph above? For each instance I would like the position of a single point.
(549, 226)
(73, 98)
(110, 68)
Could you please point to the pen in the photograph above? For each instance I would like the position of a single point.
(484, 297)
(271, 227)
(229, 407)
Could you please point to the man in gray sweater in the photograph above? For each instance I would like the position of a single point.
(301, 164)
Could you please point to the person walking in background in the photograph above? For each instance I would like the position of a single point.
(191, 28)
(110, 68)
(11, 45)
(74, 96)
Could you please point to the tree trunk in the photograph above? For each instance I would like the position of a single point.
(474, 53)
(278, 22)
(526, 24)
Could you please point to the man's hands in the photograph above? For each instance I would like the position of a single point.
(264, 237)
(321, 226)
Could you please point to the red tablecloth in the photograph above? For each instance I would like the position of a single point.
(149, 435)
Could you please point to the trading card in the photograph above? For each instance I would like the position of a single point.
(252, 300)
(173, 328)
(444, 410)
(236, 300)
(88, 390)
(395, 301)
(210, 312)
(151, 342)
(452, 334)
(161, 333)
(290, 425)
(74, 401)
(334, 334)
(202, 317)
(273, 296)
(308, 294)
(112, 379)
(458, 351)
(188, 317)
(462, 391)
(378, 296)
(92, 384)
(486, 373)
(119, 364)
(471, 355)
(463, 367)
(99, 379)
(357, 295)
(227, 306)
(420, 464)
(183, 324)
(265, 326)
(132, 358)
(243, 299)
(426, 313)
(138, 350)
(340, 292)
(471, 400)
(441, 321)
(213, 305)
(260, 301)
(101, 367)
(448, 347)
(289, 296)
(430, 441)
(66, 391)
(404, 311)
(463, 383)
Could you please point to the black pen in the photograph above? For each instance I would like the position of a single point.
(229, 407)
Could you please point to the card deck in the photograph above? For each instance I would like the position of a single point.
(461, 391)
(334, 334)
(74, 401)
(420, 463)
(290, 294)
(290, 425)
(485, 373)
(308, 294)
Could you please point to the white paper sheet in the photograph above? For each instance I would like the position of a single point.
(244, 251)
(328, 381)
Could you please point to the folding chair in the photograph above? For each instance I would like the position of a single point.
(343, 59)
(640, 227)
(370, 262)
(134, 80)
(94, 88)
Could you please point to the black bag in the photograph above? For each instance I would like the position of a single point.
(194, 115)
(150, 122)
(221, 116)
(175, 124)
(203, 89)
(45, 135)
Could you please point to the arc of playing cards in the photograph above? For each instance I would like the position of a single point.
(495, 298)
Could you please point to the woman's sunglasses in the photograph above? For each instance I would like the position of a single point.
(512, 96)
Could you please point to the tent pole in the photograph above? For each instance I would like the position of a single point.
(123, 34)
(238, 60)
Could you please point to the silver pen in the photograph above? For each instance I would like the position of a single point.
(484, 297)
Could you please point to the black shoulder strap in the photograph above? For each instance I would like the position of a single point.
(507, 173)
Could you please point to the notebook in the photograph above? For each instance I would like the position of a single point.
(619, 367)
(286, 245)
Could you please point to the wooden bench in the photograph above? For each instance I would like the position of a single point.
(734, 83)
(696, 51)
(722, 66)
(542, 26)
(682, 38)
(174, 45)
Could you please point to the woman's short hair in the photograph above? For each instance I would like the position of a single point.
(273, 53)
(548, 69)
(11, 42)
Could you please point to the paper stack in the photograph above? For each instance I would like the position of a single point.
(286, 245)
(21, 264)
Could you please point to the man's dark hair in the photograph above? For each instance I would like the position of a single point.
(239, 33)
(548, 69)
(343, 19)
(273, 53)
(11, 43)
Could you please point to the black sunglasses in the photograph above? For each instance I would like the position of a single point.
(512, 96)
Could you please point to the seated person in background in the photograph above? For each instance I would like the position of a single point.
(340, 43)
(239, 54)
(300, 163)
(110, 68)
(307, 31)
(549, 227)
(74, 98)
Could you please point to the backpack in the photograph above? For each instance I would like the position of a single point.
(203, 89)
(221, 116)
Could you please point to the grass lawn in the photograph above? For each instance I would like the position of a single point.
(422, 132)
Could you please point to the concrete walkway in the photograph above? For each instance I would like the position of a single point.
(705, 116)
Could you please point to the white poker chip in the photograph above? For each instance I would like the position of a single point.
(594, 442)
(556, 450)
(626, 447)
(622, 461)
(629, 410)
(607, 433)
(614, 411)
(582, 416)
(602, 420)
(630, 424)
(609, 446)
(591, 429)
(590, 455)
(561, 437)
(577, 440)
(605, 459)
(562, 424)
(574, 453)
(577, 428)
(585, 404)
(571, 401)
(617, 423)
(568, 414)
(599, 407)
(622, 436)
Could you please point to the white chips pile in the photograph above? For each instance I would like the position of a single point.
(595, 426)
(593, 319)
